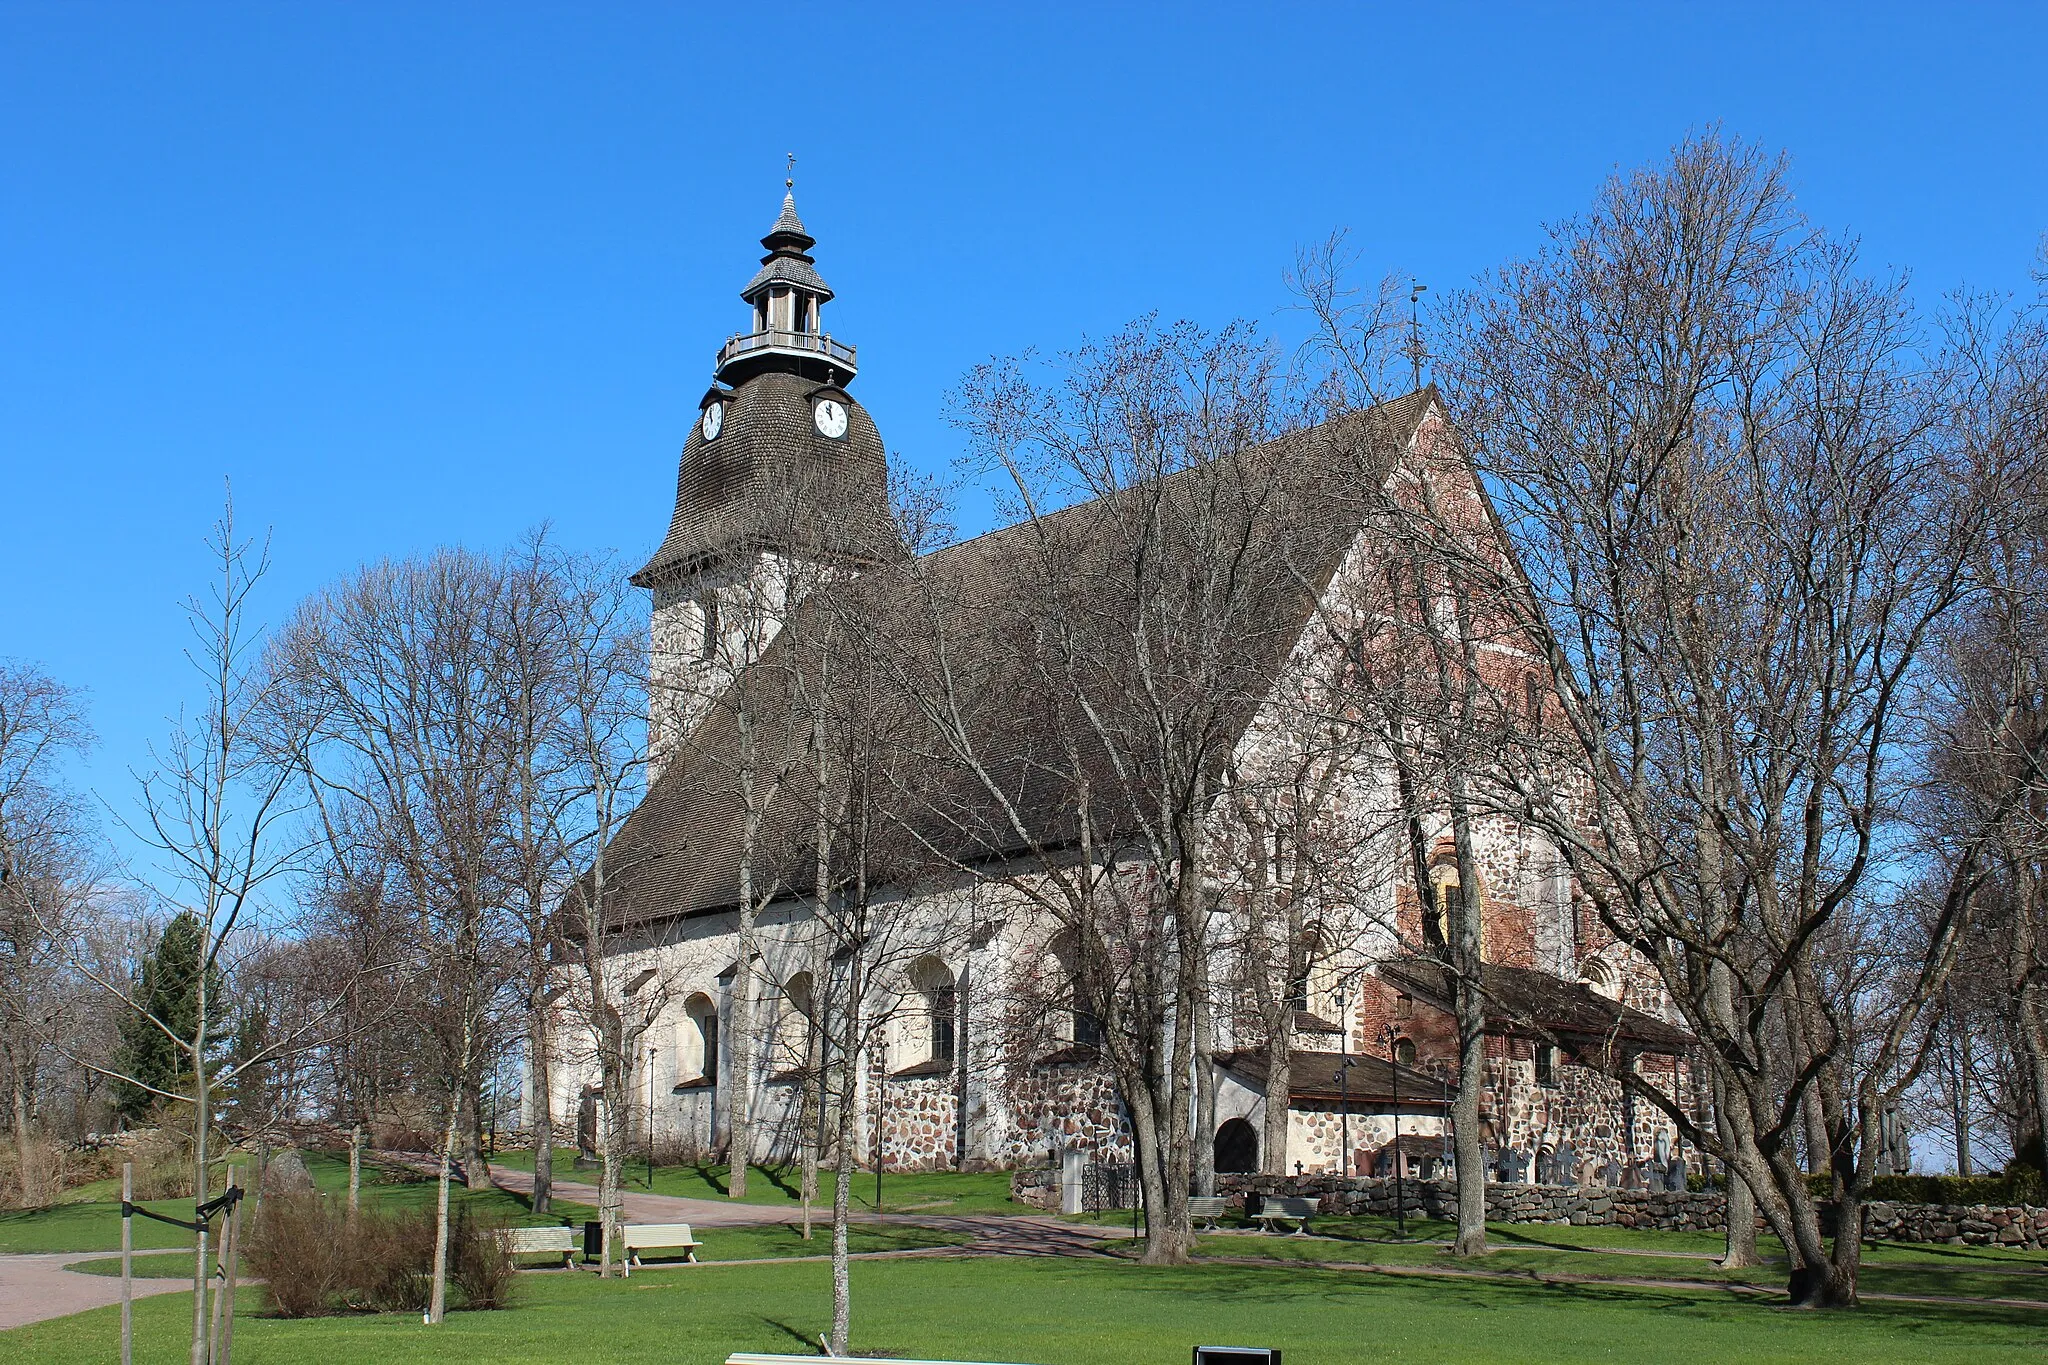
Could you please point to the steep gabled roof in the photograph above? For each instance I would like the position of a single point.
(974, 614)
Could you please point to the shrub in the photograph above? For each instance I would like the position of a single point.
(300, 1247)
(392, 1261)
(33, 1172)
(482, 1268)
(316, 1260)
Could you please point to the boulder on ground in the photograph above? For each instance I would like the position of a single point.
(286, 1174)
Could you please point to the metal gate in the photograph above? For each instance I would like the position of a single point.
(1105, 1186)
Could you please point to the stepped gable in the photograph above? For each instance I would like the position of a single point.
(678, 854)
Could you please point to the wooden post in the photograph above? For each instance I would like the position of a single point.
(227, 1326)
(221, 1253)
(127, 1264)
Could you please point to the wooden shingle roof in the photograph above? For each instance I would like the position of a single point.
(987, 615)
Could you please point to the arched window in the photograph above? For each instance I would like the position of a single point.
(1237, 1148)
(794, 1023)
(1079, 1025)
(1601, 977)
(697, 1045)
(935, 1007)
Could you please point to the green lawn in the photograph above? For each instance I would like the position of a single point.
(1891, 1272)
(95, 1224)
(162, 1265)
(1074, 1312)
(967, 1192)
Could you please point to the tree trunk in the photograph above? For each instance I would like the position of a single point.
(1467, 956)
(1279, 1083)
(23, 1147)
(611, 1125)
(476, 1171)
(541, 1071)
(842, 1183)
(437, 1303)
(1204, 1143)
(1740, 1253)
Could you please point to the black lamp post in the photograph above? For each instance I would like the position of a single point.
(1394, 1077)
(1344, 1117)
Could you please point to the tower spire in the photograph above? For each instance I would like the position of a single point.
(1416, 355)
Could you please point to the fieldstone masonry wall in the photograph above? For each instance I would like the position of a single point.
(1688, 1211)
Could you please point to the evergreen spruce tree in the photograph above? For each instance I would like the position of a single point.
(166, 987)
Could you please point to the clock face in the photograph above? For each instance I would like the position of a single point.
(830, 415)
(714, 421)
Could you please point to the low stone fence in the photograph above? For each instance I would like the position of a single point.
(1038, 1186)
(1680, 1211)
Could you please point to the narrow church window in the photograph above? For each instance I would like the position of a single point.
(1532, 701)
(708, 645)
(945, 1004)
(1404, 1007)
(1546, 1064)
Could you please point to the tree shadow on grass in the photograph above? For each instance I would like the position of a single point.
(779, 1178)
(792, 1333)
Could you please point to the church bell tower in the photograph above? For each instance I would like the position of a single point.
(783, 484)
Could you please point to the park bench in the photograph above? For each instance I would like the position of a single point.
(542, 1241)
(1204, 1210)
(641, 1237)
(1277, 1209)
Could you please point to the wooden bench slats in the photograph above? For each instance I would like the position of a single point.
(1282, 1209)
(555, 1241)
(659, 1237)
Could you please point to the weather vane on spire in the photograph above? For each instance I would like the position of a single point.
(789, 178)
(1416, 353)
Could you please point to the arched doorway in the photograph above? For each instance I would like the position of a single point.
(1237, 1148)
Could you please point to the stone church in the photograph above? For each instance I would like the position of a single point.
(783, 486)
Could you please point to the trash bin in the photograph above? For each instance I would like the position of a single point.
(593, 1240)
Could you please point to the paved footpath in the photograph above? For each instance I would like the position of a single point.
(994, 1234)
(37, 1286)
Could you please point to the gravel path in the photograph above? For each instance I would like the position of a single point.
(37, 1286)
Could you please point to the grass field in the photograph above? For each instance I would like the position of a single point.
(1076, 1312)
(91, 1221)
(965, 1192)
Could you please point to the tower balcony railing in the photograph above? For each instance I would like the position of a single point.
(777, 339)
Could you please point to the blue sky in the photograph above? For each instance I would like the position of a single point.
(423, 274)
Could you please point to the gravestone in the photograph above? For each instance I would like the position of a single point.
(1675, 1174)
(1564, 1166)
(1610, 1174)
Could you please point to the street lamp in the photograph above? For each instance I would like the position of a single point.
(1393, 1039)
(1344, 1091)
(652, 1051)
